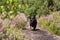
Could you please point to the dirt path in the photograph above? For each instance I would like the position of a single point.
(39, 34)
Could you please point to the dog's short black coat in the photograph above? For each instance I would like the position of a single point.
(33, 22)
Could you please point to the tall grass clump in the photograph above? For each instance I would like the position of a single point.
(51, 23)
(10, 32)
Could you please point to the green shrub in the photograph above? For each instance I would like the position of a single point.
(57, 4)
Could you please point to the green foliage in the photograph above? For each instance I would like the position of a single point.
(8, 6)
(29, 7)
(30, 11)
(57, 4)
(42, 7)
(37, 7)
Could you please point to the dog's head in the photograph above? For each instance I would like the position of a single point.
(32, 18)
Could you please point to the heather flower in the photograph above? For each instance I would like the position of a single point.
(1, 30)
(13, 24)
